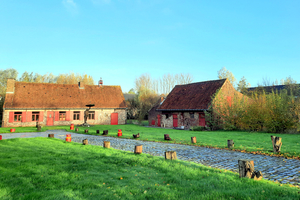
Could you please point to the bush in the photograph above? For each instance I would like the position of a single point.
(199, 128)
(274, 112)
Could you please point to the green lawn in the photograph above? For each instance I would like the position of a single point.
(48, 168)
(258, 143)
(31, 129)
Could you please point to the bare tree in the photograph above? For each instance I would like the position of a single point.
(224, 73)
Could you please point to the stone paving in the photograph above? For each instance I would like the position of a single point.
(273, 168)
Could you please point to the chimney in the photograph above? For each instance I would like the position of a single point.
(10, 85)
(81, 85)
(100, 83)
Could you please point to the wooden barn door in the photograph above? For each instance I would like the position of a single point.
(201, 119)
(50, 117)
(114, 119)
(158, 120)
(175, 120)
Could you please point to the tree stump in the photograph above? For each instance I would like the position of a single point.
(97, 131)
(167, 137)
(246, 168)
(86, 130)
(170, 155)
(85, 142)
(51, 135)
(39, 128)
(230, 144)
(257, 175)
(276, 141)
(138, 149)
(105, 132)
(194, 140)
(76, 129)
(106, 144)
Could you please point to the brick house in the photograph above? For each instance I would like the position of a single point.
(185, 104)
(61, 104)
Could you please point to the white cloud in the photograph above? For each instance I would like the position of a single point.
(71, 6)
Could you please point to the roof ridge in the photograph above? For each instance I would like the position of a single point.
(218, 80)
(33, 83)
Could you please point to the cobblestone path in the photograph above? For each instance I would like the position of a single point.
(273, 168)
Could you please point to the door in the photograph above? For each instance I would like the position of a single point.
(175, 120)
(158, 120)
(50, 117)
(114, 119)
(201, 120)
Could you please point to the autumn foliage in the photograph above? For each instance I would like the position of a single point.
(275, 112)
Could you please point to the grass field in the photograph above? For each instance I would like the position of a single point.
(257, 143)
(48, 168)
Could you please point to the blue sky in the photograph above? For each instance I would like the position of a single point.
(119, 40)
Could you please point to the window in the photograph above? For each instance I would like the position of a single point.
(76, 115)
(62, 116)
(35, 116)
(192, 115)
(92, 115)
(17, 116)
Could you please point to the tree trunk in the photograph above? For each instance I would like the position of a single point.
(170, 155)
(230, 144)
(276, 141)
(194, 140)
(106, 144)
(97, 131)
(246, 168)
(86, 130)
(85, 142)
(39, 128)
(138, 149)
(51, 135)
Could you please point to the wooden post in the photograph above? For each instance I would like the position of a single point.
(105, 132)
(257, 175)
(86, 130)
(167, 137)
(230, 144)
(85, 142)
(194, 140)
(170, 155)
(51, 135)
(76, 129)
(97, 131)
(138, 149)
(276, 141)
(246, 168)
(106, 144)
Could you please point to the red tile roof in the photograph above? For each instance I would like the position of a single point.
(194, 96)
(49, 95)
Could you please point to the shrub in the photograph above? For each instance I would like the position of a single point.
(199, 128)
(274, 112)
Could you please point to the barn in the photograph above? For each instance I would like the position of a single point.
(186, 104)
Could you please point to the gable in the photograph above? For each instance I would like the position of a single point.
(48, 95)
(194, 96)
